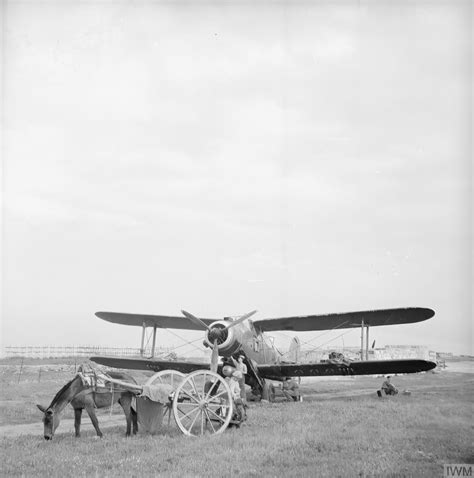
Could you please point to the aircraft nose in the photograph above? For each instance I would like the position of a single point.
(214, 334)
(217, 333)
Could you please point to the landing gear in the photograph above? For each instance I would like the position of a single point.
(265, 391)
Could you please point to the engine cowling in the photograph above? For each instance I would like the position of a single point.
(228, 340)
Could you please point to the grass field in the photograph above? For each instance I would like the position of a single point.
(341, 429)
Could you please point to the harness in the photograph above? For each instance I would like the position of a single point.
(98, 382)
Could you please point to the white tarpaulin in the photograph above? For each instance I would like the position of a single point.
(150, 407)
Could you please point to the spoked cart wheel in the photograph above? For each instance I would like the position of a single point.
(169, 377)
(202, 404)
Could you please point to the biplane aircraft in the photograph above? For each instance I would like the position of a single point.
(230, 338)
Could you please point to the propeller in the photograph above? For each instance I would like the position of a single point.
(194, 319)
(373, 344)
(241, 319)
(201, 324)
(214, 357)
(216, 333)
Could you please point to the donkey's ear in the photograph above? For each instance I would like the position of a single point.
(43, 409)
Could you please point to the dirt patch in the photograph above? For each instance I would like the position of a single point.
(66, 427)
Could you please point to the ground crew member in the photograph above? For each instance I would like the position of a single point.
(290, 389)
(388, 387)
(242, 368)
(235, 392)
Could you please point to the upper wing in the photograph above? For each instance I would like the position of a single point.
(368, 367)
(345, 320)
(162, 321)
(150, 364)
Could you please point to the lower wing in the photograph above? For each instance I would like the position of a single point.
(150, 364)
(368, 367)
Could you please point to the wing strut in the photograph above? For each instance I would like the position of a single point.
(367, 343)
(142, 345)
(364, 351)
(154, 342)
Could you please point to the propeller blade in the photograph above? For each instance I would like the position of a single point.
(373, 345)
(214, 357)
(241, 319)
(194, 319)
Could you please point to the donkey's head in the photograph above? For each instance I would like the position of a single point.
(51, 421)
(52, 414)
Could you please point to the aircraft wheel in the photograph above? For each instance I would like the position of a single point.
(203, 404)
(168, 377)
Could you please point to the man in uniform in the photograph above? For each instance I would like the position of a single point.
(290, 389)
(242, 368)
(235, 391)
(388, 387)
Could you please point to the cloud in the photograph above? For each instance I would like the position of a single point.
(158, 155)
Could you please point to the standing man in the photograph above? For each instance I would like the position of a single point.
(242, 368)
(236, 395)
(233, 383)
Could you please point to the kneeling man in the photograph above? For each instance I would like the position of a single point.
(388, 387)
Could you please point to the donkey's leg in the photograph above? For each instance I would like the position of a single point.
(134, 420)
(77, 421)
(129, 398)
(93, 416)
(126, 402)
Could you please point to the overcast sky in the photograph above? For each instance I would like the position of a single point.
(295, 158)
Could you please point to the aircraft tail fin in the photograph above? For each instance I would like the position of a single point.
(294, 353)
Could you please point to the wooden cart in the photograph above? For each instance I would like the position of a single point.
(200, 402)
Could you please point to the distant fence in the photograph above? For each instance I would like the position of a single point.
(78, 351)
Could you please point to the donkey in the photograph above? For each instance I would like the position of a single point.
(80, 396)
